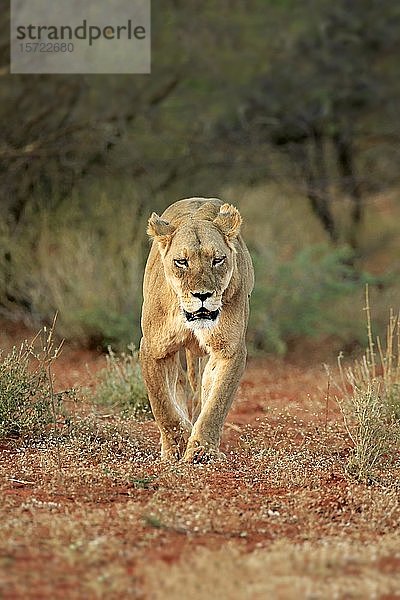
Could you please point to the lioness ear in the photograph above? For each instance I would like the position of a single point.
(228, 221)
(159, 229)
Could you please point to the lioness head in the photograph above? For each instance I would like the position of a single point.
(198, 258)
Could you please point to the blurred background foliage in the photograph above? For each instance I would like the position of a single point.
(289, 110)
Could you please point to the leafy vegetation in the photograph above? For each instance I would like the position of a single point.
(293, 296)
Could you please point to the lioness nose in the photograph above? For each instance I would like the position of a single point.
(202, 295)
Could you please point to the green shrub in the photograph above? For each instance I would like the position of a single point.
(292, 297)
(120, 385)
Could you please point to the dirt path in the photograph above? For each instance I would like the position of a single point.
(98, 516)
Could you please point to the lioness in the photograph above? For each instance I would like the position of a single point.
(196, 290)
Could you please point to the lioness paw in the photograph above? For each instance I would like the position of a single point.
(173, 446)
(202, 454)
(171, 454)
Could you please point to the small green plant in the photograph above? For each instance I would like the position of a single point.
(145, 482)
(370, 400)
(120, 384)
(28, 404)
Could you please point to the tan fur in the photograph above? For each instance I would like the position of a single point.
(198, 232)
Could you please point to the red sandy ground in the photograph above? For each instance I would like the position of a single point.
(149, 523)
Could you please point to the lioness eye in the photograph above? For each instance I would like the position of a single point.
(218, 261)
(181, 263)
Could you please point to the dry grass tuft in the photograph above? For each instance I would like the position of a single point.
(28, 403)
(370, 404)
(120, 384)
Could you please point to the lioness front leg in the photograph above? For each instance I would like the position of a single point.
(220, 381)
(160, 377)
